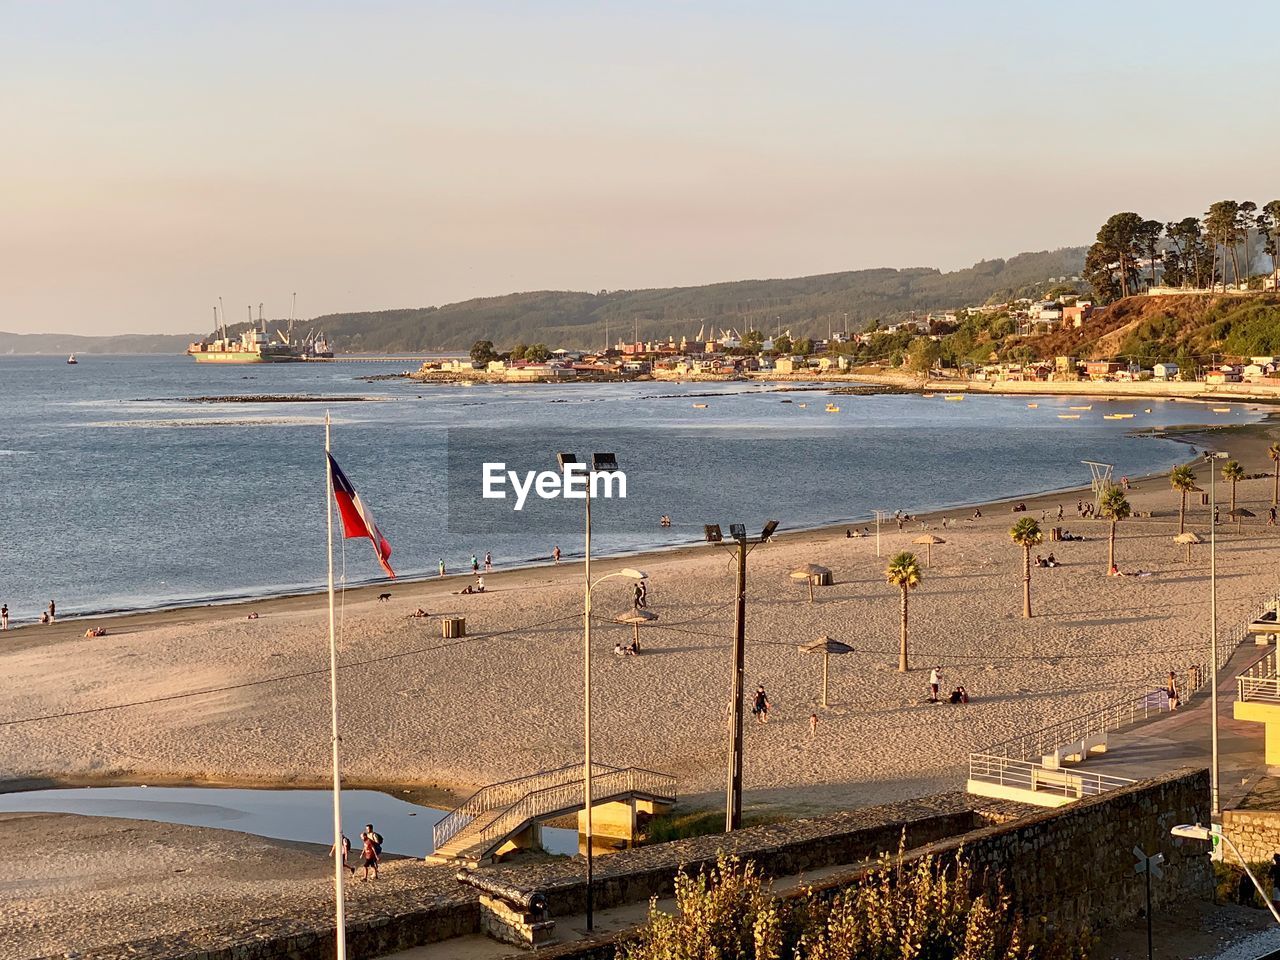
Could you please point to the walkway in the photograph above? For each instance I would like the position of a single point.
(1181, 739)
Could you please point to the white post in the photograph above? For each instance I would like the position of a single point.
(586, 712)
(340, 913)
(1215, 808)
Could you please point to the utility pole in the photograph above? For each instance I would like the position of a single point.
(733, 804)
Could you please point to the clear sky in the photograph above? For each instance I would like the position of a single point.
(378, 154)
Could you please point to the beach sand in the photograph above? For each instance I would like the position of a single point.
(444, 716)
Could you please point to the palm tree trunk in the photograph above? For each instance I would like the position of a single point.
(1233, 496)
(1275, 489)
(1182, 514)
(1026, 582)
(1111, 548)
(902, 648)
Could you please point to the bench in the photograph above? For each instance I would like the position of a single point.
(1075, 751)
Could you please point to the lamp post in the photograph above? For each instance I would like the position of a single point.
(1213, 833)
(1215, 807)
(733, 798)
(601, 462)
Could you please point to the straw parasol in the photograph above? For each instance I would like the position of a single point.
(927, 541)
(814, 575)
(1188, 538)
(825, 646)
(635, 617)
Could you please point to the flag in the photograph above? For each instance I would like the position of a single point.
(357, 521)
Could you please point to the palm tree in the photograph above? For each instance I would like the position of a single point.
(903, 572)
(1233, 473)
(1273, 452)
(1026, 534)
(1184, 481)
(1115, 508)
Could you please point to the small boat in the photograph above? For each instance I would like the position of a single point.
(1090, 407)
(801, 406)
(784, 401)
(699, 406)
(1032, 406)
(1221, 409)
(72, 360)
(1123, 416)
(832, 408)
(929, 396)
(1147, 410)
(954, 396)
(1068, 416)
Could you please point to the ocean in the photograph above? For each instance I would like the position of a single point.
(119, 492)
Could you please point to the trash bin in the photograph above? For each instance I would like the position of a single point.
(454, 627)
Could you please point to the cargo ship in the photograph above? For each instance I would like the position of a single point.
(253, 345)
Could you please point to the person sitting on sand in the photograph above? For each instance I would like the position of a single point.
(420, 614)
(977, 514)
(1114, 571)
(479, 584)
(1040, 561)
(465, 591)
(618, 651)
(848, 535)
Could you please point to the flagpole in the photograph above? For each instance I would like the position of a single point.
(339, 904)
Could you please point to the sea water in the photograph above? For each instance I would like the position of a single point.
(117, 491)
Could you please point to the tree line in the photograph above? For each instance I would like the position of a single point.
(1198, 252)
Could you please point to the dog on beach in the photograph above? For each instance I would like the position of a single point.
(384, 597)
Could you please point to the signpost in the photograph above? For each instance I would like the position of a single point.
(1148, 867)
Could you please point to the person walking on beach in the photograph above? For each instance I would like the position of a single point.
(1271, 516)
(475, 564)
(813, 726)
(369, 856)
(760, 706)
(1059, 513)
(555, 554)
(53, 611)
(643, 587)
(441, 566)
(1171, 690)
(488, 561)
(4, 617)
(935, 681)
(346, 852)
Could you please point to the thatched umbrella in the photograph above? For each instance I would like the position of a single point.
(1188, 538)
(927, 541)
(635, 617)
(814, 575)
(1239, 512)
(825, 646)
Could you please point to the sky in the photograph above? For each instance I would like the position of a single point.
(371, 155)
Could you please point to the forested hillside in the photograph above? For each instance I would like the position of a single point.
(806, 305)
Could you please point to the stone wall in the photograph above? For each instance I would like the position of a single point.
(791, 847)
(1255, 832)
(1062, 867)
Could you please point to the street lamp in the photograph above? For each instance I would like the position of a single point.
(738, 532)
(603, 462)
(1213, 833)
(1209, 457)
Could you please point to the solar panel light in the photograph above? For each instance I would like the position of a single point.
(564, 459)
(738, 531)
(769, 527)
(605, 462)
(712, 532)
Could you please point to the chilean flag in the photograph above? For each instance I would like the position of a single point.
(357, 521)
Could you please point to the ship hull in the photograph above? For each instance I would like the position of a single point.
(220, 356)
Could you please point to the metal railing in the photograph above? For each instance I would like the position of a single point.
(1016, 762)
(533, 796)
(1027, 775)
(567, 796)
(1260, 680)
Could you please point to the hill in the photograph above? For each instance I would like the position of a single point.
(806, 305)
(1150, 329)
(66, 343)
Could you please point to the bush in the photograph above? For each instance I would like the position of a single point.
(925, 910)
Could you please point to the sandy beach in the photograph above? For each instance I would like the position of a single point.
(445, 716)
